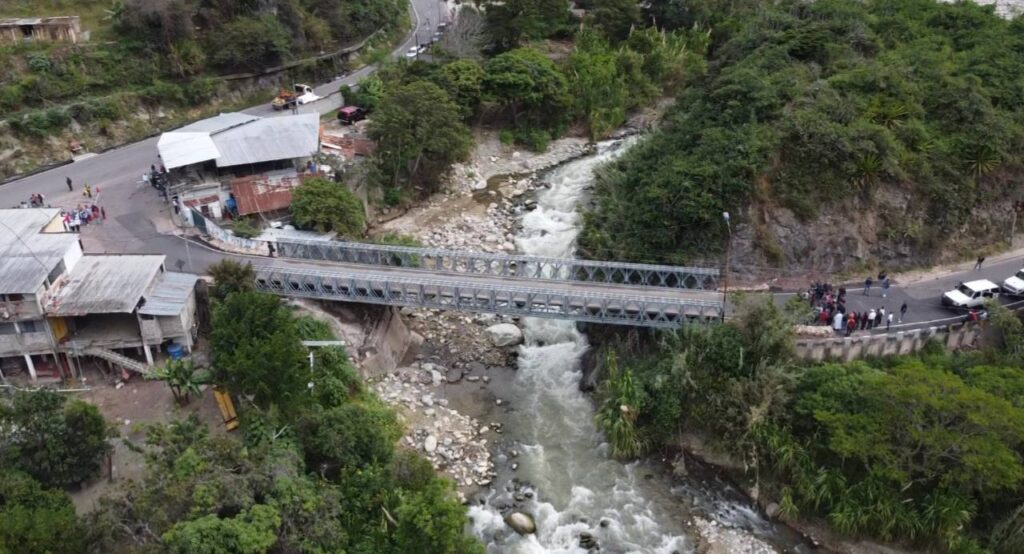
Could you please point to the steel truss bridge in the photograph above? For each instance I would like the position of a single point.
(502, 265)
(660, 307)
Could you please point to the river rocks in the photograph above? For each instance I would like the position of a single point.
(715, 538)
(505, 334)
(453, 443)
(772, 510)
(521, 523)
(453, 375)
(587, 541)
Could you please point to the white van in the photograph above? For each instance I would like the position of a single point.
(970, 294)
(1015, 284)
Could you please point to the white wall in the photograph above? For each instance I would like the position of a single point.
(72, 256)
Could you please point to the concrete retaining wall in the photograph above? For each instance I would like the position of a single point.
(890, 344)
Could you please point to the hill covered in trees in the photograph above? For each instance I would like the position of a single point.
(837, 133)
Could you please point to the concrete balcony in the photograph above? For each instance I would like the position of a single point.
(27, 343)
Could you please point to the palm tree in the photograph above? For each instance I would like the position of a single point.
(981, 160)
(115, 13)
(183, 378)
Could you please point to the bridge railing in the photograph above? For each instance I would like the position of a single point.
(502, 265)
(620, 309)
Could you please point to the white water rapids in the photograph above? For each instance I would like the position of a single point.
(572, 485)
(564, 458)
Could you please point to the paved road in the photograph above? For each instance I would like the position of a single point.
(117, 171)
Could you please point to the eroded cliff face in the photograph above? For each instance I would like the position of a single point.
(892, 229)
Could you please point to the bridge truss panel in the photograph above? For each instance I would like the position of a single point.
(503, 265)
(618, 309)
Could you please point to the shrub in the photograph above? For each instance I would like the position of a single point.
(328, 206)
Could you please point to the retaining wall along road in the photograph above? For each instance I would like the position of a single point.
(891, 344)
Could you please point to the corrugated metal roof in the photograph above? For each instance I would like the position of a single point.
(236, 139)
(105, 285)
(169, 294)
(275, 138)
(27, 254)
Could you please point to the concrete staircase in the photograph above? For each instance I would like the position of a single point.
(117, 359)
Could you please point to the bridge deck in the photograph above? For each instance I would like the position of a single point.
(581, 301)
(502, 265)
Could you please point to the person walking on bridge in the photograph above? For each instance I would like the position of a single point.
(885, 287)
(977, 264)
(70, 188)
(867, 286)
(903, 312)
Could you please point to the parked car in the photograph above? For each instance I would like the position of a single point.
(1014, 284)
(412, 52)
(970, 294)
(350, 114)
(436, 37)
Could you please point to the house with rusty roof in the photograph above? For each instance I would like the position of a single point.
(239, 161)
(59, 306)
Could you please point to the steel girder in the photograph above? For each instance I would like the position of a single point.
(502, 265)
(619, 309)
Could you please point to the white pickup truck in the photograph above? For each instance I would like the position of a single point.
(303, 94)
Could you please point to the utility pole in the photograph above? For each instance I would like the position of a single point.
(725, 275)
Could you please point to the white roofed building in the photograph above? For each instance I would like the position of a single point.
(58, 304)
(205, 158)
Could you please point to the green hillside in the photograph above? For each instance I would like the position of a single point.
(825, 108)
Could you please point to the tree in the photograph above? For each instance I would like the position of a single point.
(622, 405)
(182, 377)
(58, 441)
(599, 91)
(420, 133)
(463, 81)
(250, 43)
(511, 21)
(253, 531)
(328, 206)
(231, 276)
(257, 349)
(615, 18)
(36, 519)
(530, 86)
(353, 435)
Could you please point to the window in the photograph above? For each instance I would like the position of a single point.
(57, 272)
(30, 326)
(7, 329)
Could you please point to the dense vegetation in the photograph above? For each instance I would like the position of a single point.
(926, 449)
(422, 111)
(167, 53)
(823, 106)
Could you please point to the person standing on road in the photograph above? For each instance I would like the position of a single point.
(885, 287)
(977, 264)
(863, 320)
(880, 317)
(851, 323)
(871, 318)
(837, 322)
(867, 286)
(86, 191)
(70, 188)
(903, 312)
(888, 322)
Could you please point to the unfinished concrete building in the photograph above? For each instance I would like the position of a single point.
(45, 29)
(58, 304)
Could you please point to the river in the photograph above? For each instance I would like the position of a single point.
(565, 478)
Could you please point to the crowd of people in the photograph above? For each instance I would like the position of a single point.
(829, 303)
(83, 214)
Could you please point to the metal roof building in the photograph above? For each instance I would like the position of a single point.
(232, 139)
(169, 294)
(105, 285)
(28, 251)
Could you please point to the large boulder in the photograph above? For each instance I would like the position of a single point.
(521, 523)
(505, 334)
